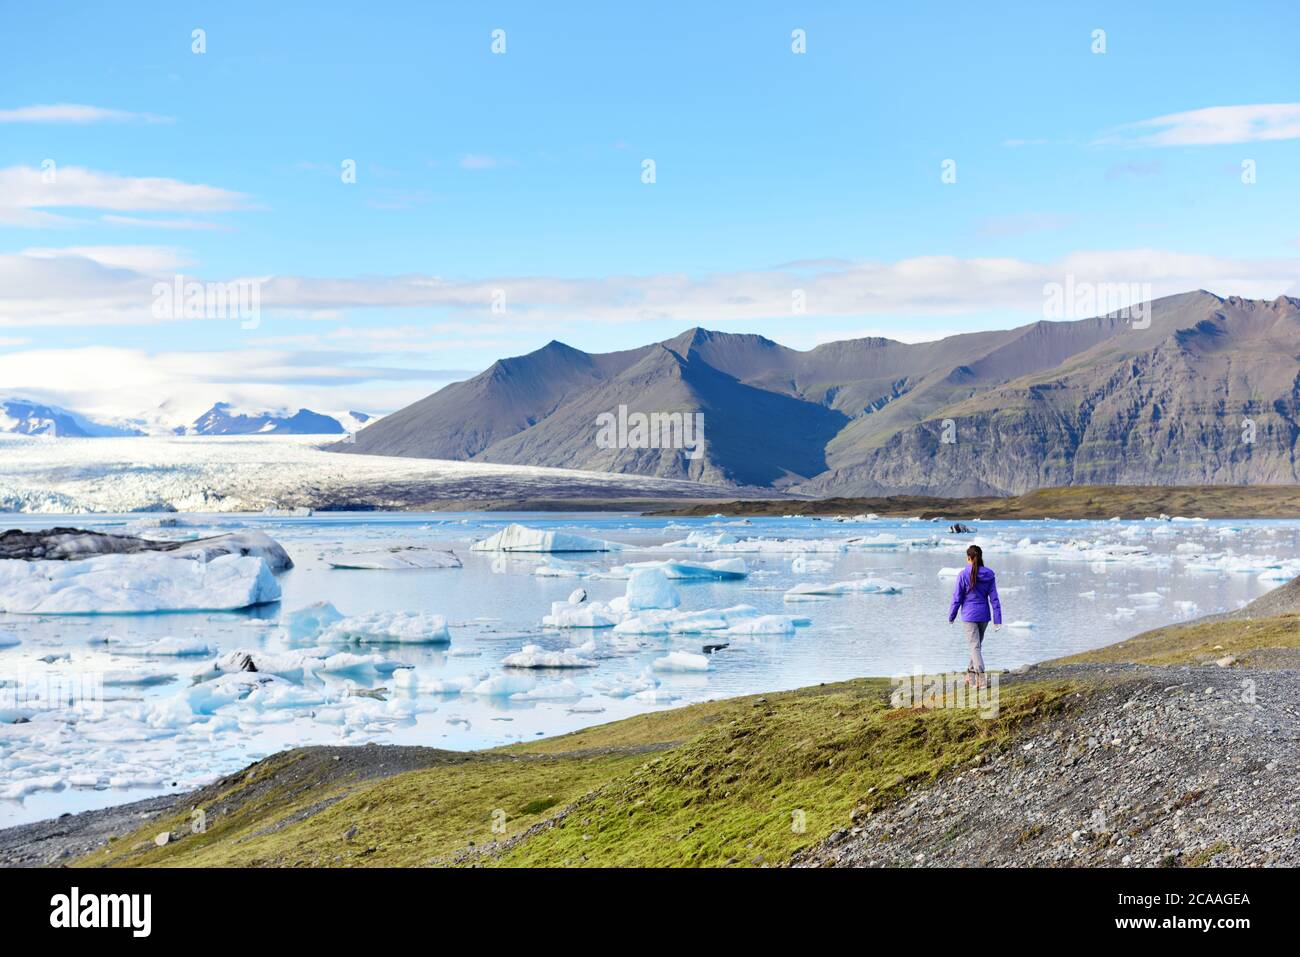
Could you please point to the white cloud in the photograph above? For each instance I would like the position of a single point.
(1211, 126)
(27, 193)
(146, 223)
(140, 259)
(75, 113)
(481, 161)
(76, 289)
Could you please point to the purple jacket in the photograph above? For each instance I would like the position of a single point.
(973, 603)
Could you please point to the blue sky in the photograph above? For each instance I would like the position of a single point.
(519, 175)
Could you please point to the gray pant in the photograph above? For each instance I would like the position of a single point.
(975, 638)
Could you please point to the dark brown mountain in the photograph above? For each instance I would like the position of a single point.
(1208, 393)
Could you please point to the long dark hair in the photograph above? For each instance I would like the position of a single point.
(976, 554)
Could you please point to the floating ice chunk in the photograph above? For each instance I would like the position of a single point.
(1186, 608)
(502, 686)
(137, 679)
(521, 538)
(207, 697)
(397, 558)
(704, 541)
(7, 640)
(346, 662)
(591, 614)
(305, 624)
(290, 665)
(949, 572)
(383, 627)
(857, 586)
(21, 789)
(564, 690)
(737, 620)
(624, 686)
(656, 696)
(722, 569)
(455, 685)
(650, 588)
(248, 543)
(1147, 597)
(577, 596)
(1021, 625)
(683, 661)
(135, 584)
(802, 564)
(169, 647)
(558, 568)
(1082, 594)
(535, 656)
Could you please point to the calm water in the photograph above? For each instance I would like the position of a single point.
(1080, 584)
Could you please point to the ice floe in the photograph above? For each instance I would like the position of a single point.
(388, 627)
(521, 538)
(857, 586)
(135, 584)
(682, 661)
(535, 656)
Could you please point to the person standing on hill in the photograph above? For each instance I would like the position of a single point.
(976, 592)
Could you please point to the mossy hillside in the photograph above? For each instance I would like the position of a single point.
(1196, 643)
(779, 775)
(710, 784)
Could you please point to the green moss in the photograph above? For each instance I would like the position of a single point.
(1193, 643)
(728, 781)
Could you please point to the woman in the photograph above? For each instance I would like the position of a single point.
(976, 591)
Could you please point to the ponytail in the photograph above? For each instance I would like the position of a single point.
(976, 555)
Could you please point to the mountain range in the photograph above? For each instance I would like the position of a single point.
(1201, 390)
(28, 417)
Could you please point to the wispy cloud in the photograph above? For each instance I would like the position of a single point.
(78, 113)
(1212, 126)
(1022, 224)
(482, 161)
(82, 289)
(27, 194)
(173, 224)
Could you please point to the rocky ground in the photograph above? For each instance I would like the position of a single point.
(1172, 766)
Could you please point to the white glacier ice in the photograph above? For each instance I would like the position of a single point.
(382, 627)
(135, 584)
(521, 538)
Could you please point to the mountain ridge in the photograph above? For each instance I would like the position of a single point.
(1202, 390)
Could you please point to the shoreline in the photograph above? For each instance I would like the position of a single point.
(1170, 667)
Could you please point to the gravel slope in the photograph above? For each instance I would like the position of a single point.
(1161, 766)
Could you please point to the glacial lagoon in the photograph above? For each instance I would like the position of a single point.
(1066, 586)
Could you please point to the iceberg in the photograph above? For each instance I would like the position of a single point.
(535, 656)
(385, 627)
(589, 614)
(521, 538)
(858, 586)
(722, 569)
(7, 640)
(649, 588)
(305, 624)
(135, 584)
(739, 620)
(169, 647)
(682, 661)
